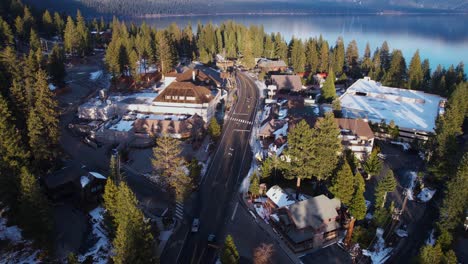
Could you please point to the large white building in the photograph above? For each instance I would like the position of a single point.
(414, 112)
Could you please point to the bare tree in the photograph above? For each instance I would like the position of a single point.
(263, 254)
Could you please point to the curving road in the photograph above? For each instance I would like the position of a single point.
(231, 158)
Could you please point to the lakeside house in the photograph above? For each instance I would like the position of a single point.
(414, 112)
(309, 223)
(356, 135)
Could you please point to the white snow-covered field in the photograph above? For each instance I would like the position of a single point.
(100, 251)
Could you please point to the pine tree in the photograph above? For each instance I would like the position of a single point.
(343, 184)
(385, 56)
(248, 59)
(352, 59)
(59, 24)
(299, 165)
(323, 58)
(12, 154)
(431, 254)
(397, 74)
(165, 53)
(34, 42)
(454, 203)
(426, 69)
(82, 34)
(357, 206)
(229, 254)
(111, 203)
(328, 88)
(48, 23)
(6, 34)
(385, 185)
(312, 59)
(366, 64)
(35, 211)
(270, 165)
(254, 188)
(373, 165)
(416, 74)
(133, 239)
(376, 71)
(269, 47)
(168, 163)
(70, 36)
(297, 55)
(339, 57)
(43, 130)
(56, 65)
(450, 258)
(327, 147)
(214, 129)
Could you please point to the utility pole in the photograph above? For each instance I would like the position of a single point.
(396, 214)
(349, 234)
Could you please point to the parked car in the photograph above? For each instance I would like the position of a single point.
(195, 225)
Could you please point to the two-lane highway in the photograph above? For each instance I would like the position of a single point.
(223, 174)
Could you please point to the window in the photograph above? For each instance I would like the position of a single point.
(181, 98)
(168, 97)
(190, 98)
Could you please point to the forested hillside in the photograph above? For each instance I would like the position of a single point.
(178, 7)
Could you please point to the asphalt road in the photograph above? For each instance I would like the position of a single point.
(223, 176)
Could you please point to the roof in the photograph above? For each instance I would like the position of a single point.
(185, 92)
(271, 126)
(184, 127)
(357, 126)
(409, 109)
(279, 196)
(315, 212)
(287, 82)
(97, 175)
(264, 63)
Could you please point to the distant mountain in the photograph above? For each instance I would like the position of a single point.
(184, 7)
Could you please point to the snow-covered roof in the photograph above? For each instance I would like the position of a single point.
(279, 196)
(283, 131)
(409, 109)
(97, 175)
(123, 126)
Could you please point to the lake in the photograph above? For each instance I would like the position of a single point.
(443, 39)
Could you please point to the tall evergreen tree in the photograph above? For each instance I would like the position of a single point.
(133, 239)
(6, 34)
(339, 57)
(385, 185)
(56, 65)
(366, 64)
(352, 59)
(385, 56)
(297, 55)
(34, 42)
(357, 205)
(165, 53)
(214, 129)
(48, 23)
(70, 36)
(328, 88)
(343, 184)
(269, 47)
(397, 74)
(83, 35)
(59, 24)
(323, 58)
(373, 164)
(254, 188)
(426, 69)
(312, 59)
(43, 130)
(12, 154)
(415, 73)
(35, 210)
(229, 254)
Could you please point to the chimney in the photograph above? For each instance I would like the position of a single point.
(193, 75)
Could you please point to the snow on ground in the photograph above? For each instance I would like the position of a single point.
(11, 233)
(368, 204)
(52, 87)
(266, 112)
(431, 238)
(426, 194)
(261, 211)
(282, 132)
(244, 187)
(412, 175)
(95, 75)
(379, 253)
(404, 145)
(401, 233)
(84, 180)
(102, 247)
(369, 216)
(23, 256)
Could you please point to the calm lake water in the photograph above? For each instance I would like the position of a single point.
(443, 39)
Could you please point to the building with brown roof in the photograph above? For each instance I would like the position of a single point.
(174, 127)
(287, 82)
(356, 135)
(266, 65)
(187, 98)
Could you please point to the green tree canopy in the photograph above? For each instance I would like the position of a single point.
(229, 254)
(343, 184)
(328, 88)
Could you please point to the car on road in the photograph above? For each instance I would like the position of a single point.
(195, 225)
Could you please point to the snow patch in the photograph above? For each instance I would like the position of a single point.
(369, 216)
(101, 249)
(97, 175)
(404, 145)
(282, 132)
(52, 87)
(379, 253)
(401, 233)
(431, 239)
(84, 180)
(95, 75)
(426, 194)
(412, 180)
(11, 233)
